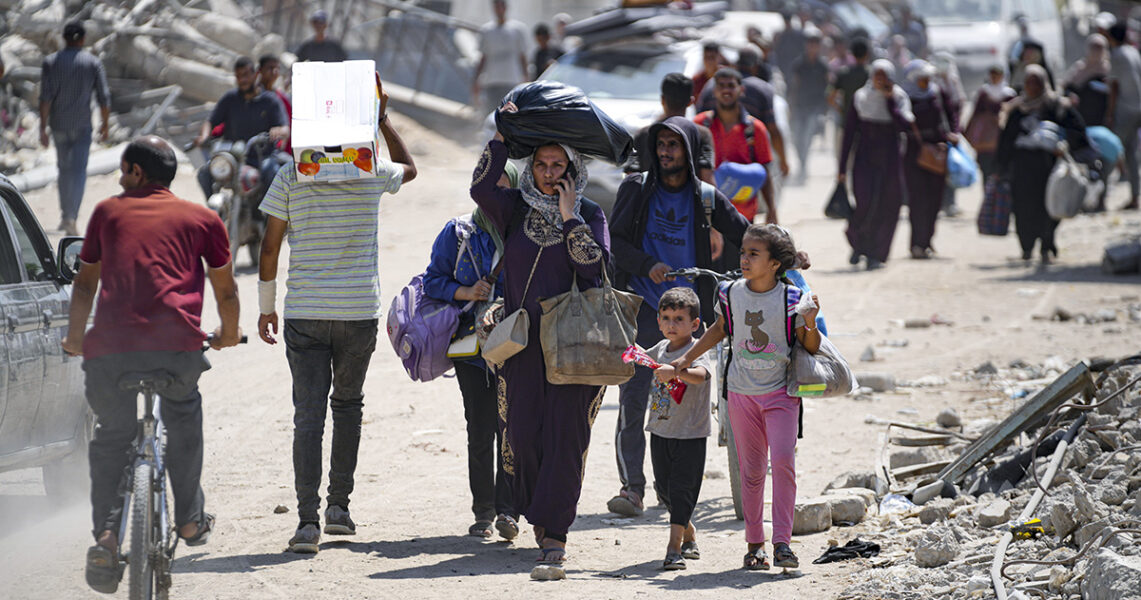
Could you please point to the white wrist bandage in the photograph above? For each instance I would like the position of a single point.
(267, 296)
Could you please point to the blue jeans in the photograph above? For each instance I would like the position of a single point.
(71, 150)
(324, 355)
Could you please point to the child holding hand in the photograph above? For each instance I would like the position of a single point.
(757, 315)
(678, 429)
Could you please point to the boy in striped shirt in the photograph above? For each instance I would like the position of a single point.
(332, 306)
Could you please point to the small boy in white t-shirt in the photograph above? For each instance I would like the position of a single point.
(678, 430)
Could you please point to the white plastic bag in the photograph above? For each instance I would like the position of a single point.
(1066, 189)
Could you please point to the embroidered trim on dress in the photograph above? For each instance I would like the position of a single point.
(582, 247)
(482, 168)
(540, 231)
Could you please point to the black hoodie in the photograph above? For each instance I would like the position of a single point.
(632, 207)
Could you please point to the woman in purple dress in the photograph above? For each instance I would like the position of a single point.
(983, 127)
(552, 235)
(924, 188)
(880, 113)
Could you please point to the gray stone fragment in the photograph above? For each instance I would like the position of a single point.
(912, 456)
(1061, 517)
(846, 509)
(869, 354)
(548, 573)
(859, 479)
(937, 548)
(993, 513)
(978, 582)
(948, 418)
(936, 510)
(1085, 508)
(1088, 532)
(986, 368)
(1112, 494)
(1113, 577)
(868, 496)
(811, 516)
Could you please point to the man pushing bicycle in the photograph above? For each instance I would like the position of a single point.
(147, 248)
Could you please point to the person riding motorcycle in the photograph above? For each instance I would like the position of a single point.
(243, 113)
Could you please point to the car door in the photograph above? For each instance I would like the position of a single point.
(22, 339)
(61, 403)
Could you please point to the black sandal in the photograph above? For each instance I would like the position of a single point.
(205, 526)
(689, 550)
(103, 570)
(480, 528)
(784, 558)
(757, 560)
(674, 562)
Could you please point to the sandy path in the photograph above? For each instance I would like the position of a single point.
(411, 503)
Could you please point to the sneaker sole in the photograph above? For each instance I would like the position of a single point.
(339, 530)
(787, 564)
(304, 548)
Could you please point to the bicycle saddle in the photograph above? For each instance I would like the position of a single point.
(137, 380)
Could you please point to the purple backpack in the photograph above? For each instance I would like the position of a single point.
(420, 329)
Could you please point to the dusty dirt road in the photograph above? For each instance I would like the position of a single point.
(412, 501)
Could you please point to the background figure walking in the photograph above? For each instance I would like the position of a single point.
(1125, 103)
(983, 128)
(808, 91)
(70, 77)
(880, 112)
(502, 61)
(924, 188)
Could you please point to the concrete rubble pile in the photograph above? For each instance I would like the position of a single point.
(1089, 545)
(187, 53)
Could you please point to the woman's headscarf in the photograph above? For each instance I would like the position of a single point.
(948, 74)
(1028, 103)
(912, 73)
(998, 92)
(548, 206)
(870, 103)
(1094, 64)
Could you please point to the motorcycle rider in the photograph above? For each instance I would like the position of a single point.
(243, 113)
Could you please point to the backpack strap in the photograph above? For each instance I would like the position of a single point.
(708, 194)
(792, 296)
(751, 137)
(726, 307)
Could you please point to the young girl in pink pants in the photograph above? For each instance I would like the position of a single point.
(759, 315)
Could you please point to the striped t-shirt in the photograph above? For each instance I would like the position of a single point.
(333, 270)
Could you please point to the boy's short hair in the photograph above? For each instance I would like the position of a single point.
(681, 298)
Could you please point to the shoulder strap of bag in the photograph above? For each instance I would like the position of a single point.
(726, 307)
(708, 194)
(750, 138)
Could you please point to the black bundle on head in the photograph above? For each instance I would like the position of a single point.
(779, 242)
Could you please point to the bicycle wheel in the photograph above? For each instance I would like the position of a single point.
(142, 534)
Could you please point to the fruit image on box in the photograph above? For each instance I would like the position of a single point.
(334, 126)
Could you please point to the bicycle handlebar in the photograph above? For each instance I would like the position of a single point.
(692, 273)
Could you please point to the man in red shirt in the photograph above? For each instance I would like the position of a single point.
(739, 138)
(147, 247)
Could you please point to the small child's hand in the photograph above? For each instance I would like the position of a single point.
(679, 364)
(665, 373)
(810, 314)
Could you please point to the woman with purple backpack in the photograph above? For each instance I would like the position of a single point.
(461, 272)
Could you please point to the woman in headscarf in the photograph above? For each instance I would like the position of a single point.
(983, 127)
(953, 97)
(552, 235)
(924, 188)
(1027, 151)
(1085, 81)
(880, 112)
(463, 259)
(1033, 53)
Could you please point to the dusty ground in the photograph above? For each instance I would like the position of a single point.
(412, 500)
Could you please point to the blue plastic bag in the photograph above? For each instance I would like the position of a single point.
(961, 168)
(1107, 144)
(740, 182)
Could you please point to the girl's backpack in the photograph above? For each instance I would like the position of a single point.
(420, 329)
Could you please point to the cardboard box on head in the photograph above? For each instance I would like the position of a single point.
(334, 126)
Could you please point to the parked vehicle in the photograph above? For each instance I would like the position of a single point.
(980, 33)
(238, 190)
(44, 420)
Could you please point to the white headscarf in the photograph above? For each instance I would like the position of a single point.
(948, 73)
(871, 104)
(548, 205)
(916, 70)
(998, 92)
(1094, 64)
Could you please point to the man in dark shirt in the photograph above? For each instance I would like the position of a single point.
(320, 48)
(245, 112)
(848, 81)
(546, 50)
(70, 77)
(149, 254)
(808, 87)
(788, 44)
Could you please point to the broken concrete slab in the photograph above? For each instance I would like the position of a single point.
(868, 496)
(846, 509)
(948, 418)
(993, 513)
(1113, 577)
(859, 479)
(936, 510)
(1062, 519)
(811, 516)
(937, 548)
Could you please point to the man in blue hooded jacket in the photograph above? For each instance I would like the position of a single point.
(661, 221)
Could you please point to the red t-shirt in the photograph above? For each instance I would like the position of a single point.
(732, 146)
(151, 244)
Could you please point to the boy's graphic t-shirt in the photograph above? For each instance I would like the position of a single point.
(687, 420)
(759, 343)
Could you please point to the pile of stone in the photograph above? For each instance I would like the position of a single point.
(1090, 539)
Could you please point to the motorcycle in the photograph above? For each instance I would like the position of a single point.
(238, 190)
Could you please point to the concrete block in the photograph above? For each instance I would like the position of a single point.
(859, 479)
(937, 548)
(993, 513)
(1113, 577)
(1062, 519)
(868, 496)
(936, 510)
(811, 516)
(846, 509)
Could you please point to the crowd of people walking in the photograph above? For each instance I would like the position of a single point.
(697, 191)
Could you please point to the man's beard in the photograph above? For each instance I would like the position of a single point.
(671, 171)
(731, 106)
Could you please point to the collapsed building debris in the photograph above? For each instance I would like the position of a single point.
(1046, 503)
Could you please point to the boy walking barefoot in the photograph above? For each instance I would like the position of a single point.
(678, 429)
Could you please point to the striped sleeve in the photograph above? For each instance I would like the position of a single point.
(276, 202)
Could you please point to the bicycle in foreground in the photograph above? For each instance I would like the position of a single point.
(146, 509)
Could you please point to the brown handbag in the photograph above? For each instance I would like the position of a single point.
(933, 158)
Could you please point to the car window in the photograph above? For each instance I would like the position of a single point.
(616, 73)
(959, 11)
(29, 263)
(857, 16)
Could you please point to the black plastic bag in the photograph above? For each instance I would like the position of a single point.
(838, 206)
(552, 112)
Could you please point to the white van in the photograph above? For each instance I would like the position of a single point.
(980, 33)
